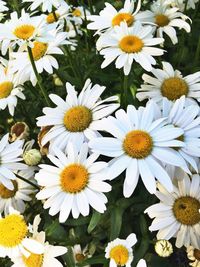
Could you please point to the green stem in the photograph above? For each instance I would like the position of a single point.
(185, 8)
(197, 54)
(90, 6)
(27, 181)
(38, 77)
(125, 90)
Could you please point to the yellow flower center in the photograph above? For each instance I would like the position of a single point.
(197, 254)
(119, 254)
(13, 230)
(138, 144)
(6, 193)
(74, 178)
(34, 260)
(186, 210)
(24, 31)
(131, 44)
(39, 49)
(51, 18)
(79, 257)
(126, 17)
(162, 20)
(5, 89)
(76, 12)
(77, 119)
(174, 88)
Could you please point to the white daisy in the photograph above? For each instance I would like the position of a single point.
(10, 89)
(10, 155)
(139, 145)
(171, 84)
(167, 19)
(182, 3)
(47, 258)
(75, 119)
(3, 6)
(42, 55)
(186, 118)
(177, 215)
(80, 254)
(23, 31)
(193, 255)
(120, 251)
(47, 5)
(61, 13)
(77, 15)
(74, 184)
(127, 44)
(13, 236)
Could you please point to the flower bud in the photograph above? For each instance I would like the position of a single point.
(163, 248)
(32, 157)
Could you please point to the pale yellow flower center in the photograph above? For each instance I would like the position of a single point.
(5, 193)
(74, 178)
(126, 17)
(131, 44)
(24, 31)
(39, 49)
(119, 254)
(13, 230)
(162, 20)
(51, 18)
(173, 88)
(138, 144)
(34, 260)
(186, 210)
(76, 12)
(77, 119)
(5, 89)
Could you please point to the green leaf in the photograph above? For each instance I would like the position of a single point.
(94, 221)
(115, 222)
(69, 258)
(94, 260)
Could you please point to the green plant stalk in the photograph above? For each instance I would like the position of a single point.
(125, 86)
(38, 77)
(185, 8)
(197, 54)
(27, 181)
(90, 6)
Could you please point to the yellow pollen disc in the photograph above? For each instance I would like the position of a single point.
(186, 210)
(131, 44)
(79, 257)
(126, 17)
(51, 18)
(13, 230)
(6, 193)
(77, 119)
(138, 144)
(5, 89)
(197, 254)
(74, 178)
(24, 31)
(174, 88)
(162, 20)
(34, 260)
(120, 255)
(76, 12)
(39, 49)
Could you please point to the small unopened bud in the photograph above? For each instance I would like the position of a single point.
(19, 130)
(163, 248)
(57, 80)
(32, 157)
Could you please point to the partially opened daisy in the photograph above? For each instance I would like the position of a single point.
(171, 84)
(47, 5)
(127, 44)
(23, 30)
(120, 251)
(45, 259)
(10, 89)
(75, 183)
(13, 236)
(10, 157)
(75, 119)
(177, 215)
(139, 145)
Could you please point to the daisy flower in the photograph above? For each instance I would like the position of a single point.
(10, 155)
(3, 8)
(10, 89)
(47, 5)
(126, 44)
(177, 214)
(186, 118)
(75, 119)
(167, 19)
(42, 55)
(139, 146)
(13, 236)
(193, 255)
(75, 183)
(181, 4)
(80, 254)
(47, 258)
(60, 14)
(15, 198)
(171, 84)
(120, 251)
(23, 31)
(77, 15)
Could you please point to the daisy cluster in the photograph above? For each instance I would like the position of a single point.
(77, 159)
